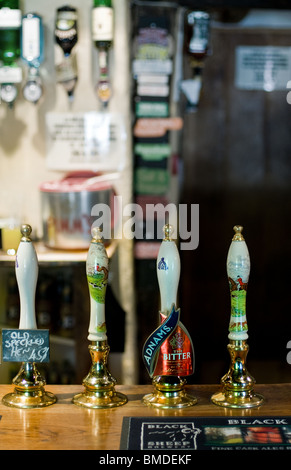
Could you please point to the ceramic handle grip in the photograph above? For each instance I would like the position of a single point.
(97, 277)
(26, 270)
(238, 271)
(168, 271)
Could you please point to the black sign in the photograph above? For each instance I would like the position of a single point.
(201, 433)
(25, 345)
(154, 341)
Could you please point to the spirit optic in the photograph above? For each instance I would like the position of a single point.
(10, 72)
(102, 35)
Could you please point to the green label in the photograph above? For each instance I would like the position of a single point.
(238, 327)
(238, 321)
(151, 181)
(97, 286)
(153, 152)
(151, 109)
(238, 303)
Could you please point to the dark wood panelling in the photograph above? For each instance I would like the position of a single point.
(237, 158)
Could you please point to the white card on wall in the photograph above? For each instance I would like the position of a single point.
(85, 141)
(262, 67)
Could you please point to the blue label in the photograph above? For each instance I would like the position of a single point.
(156, 339)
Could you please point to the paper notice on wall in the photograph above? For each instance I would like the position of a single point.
(85, 141)
(265, 68)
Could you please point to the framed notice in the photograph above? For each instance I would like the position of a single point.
(265, 68)
(85, 141)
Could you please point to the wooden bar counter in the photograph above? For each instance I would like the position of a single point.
(65, 426)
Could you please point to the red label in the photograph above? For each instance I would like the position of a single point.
(176, 354)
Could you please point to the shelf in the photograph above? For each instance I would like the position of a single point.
(50, 256)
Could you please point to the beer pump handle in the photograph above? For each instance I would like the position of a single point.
(26, 270)
(97, 277)
(238, 271)
(168, 271)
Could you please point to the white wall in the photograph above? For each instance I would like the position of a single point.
(22, 129)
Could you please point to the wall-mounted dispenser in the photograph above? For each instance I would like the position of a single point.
(196, 46)
(32, 52)
(66, 36)
(10, 71)
(102, 35)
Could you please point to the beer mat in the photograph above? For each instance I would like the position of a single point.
(201, 433)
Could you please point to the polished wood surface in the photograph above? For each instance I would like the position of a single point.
(65, 426)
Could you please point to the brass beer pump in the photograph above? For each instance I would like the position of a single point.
(237, 386)
(99, 384)
(29, 391)
(168, 353)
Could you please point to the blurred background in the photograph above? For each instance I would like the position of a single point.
(186, 103)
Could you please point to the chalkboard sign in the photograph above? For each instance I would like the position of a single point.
(25, 345)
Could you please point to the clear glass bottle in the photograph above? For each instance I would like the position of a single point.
(31, 40)
(32, 53)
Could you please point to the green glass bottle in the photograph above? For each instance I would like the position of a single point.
(102, 23)
(10, 72)
(10, 24)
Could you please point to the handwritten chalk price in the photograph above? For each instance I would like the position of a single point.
(25, 345)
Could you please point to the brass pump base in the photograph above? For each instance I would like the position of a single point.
(99, 383)
(237, 385)
(29, 389)
(169, 393)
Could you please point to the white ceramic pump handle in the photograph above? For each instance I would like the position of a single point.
(168, 271)
(26, 270)
(97, 268)
(238, 271)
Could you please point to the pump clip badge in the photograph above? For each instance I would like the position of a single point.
(169, 350)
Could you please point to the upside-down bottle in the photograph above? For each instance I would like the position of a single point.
(102, 35)
(196, 46)
(10, 71)
(32, 46)
(66, 35)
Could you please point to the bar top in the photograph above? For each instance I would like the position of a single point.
(65, 426)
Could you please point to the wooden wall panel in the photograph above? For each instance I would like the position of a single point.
(237, 159)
